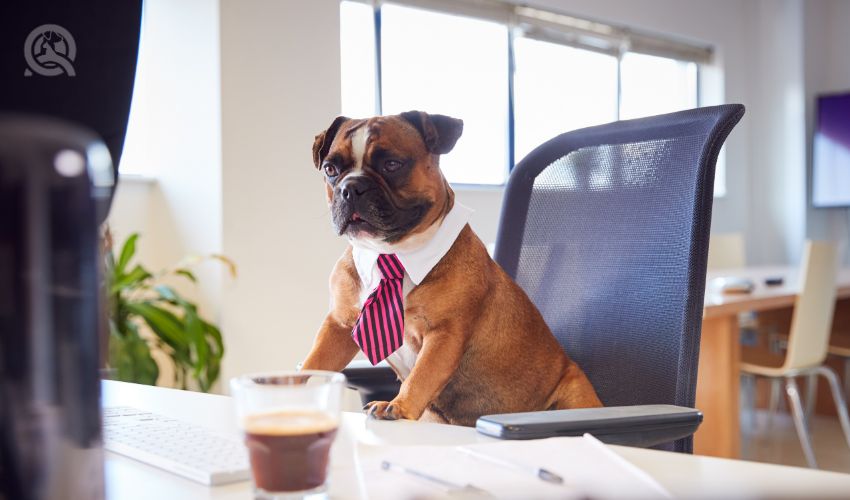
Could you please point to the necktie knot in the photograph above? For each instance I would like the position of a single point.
(390, 267)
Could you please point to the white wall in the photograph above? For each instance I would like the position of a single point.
(174, 137)
(827, 70)
(777, 132)
(280, 86)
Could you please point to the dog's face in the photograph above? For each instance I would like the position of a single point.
(382, 175)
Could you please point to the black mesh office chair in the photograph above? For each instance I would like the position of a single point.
(606, 229)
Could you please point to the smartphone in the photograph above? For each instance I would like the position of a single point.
(641, 425)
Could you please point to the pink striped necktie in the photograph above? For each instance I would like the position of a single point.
(379, 330)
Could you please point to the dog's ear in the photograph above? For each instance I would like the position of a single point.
(440, 132)
(323, 141)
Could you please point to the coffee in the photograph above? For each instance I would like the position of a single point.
(289, 449)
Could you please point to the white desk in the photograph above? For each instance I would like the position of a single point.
(683, 475)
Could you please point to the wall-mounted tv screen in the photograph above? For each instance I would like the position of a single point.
(831, 169)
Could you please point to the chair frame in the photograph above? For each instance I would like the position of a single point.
(800, 412)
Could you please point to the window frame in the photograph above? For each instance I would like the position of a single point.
(552, 27)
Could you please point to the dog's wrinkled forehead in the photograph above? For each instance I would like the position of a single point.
(412, 135)
(359, 138)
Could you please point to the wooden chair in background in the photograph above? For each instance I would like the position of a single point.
(808, 341)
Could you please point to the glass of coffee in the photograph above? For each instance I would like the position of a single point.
(289, 421)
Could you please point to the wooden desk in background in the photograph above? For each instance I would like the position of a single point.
(720, 349)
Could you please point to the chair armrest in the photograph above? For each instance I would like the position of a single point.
(374, 383)
(643, 426)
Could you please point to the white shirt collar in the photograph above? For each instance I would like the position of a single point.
(418, 261)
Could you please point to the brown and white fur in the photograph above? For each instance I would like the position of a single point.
(474, 343)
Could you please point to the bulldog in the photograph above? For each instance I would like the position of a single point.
(417, 287)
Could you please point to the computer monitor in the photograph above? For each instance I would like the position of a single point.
(66, 79)
(831, 145)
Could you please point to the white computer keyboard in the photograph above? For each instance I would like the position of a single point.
(176, 446)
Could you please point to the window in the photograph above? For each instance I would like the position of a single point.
(357, 53)
(554, 98)
(654, 85)
(459, 73)
(517, 76)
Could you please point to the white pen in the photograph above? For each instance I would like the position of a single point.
(539, 472)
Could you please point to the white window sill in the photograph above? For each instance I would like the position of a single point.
(495, 188)
(136, 179)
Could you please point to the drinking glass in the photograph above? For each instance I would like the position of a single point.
(289, 420)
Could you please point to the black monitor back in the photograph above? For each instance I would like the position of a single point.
(67, 70)
(74, 60)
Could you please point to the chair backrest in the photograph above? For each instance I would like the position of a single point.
(726, 251)
(606, 229)
(808, 339)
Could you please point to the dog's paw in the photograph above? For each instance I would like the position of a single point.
(383, 410)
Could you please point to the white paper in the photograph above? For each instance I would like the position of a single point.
(589, 469)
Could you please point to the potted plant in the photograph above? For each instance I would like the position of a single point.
(138, 298)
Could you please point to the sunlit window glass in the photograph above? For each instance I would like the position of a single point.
(357, 53)
(654, 85)
(559, 88)
(455, 66)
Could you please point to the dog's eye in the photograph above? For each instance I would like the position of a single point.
(330, 170)
(392, 165)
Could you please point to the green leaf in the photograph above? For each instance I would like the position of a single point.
(165, 325)
(167, 294)
(216, 354)
(188, 274)
(131, 279)
(212, 374)
(198, 340)
(227, 261)
(131, 357)
(127, 252)
(194, 345)
(215, 333)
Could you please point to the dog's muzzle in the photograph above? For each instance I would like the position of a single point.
(361, 206)
(352, 188)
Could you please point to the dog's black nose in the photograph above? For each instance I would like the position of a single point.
(353, 188)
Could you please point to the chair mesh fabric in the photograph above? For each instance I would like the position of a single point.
(607, 229)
